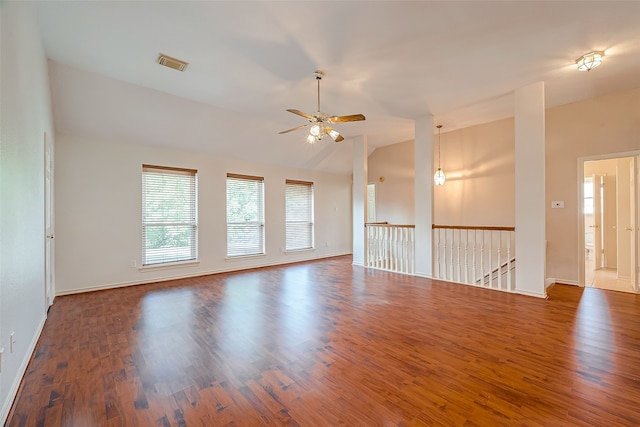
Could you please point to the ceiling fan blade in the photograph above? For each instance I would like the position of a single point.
(351, 118)
(333, 134)
(295, 128)
(300, 113)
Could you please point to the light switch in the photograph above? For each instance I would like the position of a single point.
(557, 204)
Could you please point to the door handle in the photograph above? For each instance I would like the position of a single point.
(629, 228)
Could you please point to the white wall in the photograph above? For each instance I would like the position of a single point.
(25, 111)
(598, 126)
(391, 170)
(479, 163)
(480, 186)
(98, 211)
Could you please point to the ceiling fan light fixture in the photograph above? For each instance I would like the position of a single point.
(311, 139)
(590, 60)
(334, 134)
(316, 130)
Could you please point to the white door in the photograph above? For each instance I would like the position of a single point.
(371, 203)
(49, 236)
(633, 194)
(625, 227)
(589, 190)
(598, 181)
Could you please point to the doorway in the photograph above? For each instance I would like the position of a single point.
(610, 218)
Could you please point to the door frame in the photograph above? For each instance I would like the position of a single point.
(49, 245)
(579, 208)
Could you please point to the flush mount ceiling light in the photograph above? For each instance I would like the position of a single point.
(439, 177)
(590, 60)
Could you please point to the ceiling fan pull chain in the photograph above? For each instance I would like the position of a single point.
(318, 78)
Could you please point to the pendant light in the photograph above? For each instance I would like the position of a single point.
(439, 177)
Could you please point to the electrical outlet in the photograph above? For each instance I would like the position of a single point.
(12, 341)
(134, 263)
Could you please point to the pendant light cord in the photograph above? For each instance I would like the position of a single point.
(439, 126)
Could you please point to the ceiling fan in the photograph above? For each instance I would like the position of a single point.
(319, 122)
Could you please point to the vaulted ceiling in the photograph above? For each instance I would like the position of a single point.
(392, 61)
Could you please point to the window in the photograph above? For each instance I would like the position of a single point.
(245, 215)
(588, 196)
(169, 215)
(299, 215)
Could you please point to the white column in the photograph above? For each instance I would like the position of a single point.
(359, 196)
(530, 194)
(423, 218)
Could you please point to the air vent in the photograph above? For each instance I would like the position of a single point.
(170, 62)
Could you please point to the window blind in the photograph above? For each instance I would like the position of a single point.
(169, 215)
(299, 215)
(245, 215)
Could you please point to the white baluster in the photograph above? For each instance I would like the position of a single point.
(378, 246)
(509, 262)
(482, 259)
(458, 263)
(500, 260)
(394, 249)
(475, 272)
(491, 258)
(405, 240)
(466, 256)
(451, 266)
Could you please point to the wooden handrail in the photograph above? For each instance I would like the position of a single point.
(469, 227)
(386, 224)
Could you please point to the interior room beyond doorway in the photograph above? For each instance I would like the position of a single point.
(609, 209)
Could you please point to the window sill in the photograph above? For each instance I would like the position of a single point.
(168, 265)
(243, 257)
(297, 251)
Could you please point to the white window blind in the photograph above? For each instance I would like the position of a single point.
(169, 215)
(245, 215)
(299, 215)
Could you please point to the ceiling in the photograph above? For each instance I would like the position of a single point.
(392, 61)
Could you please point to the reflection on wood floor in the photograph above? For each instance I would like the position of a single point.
(607, 278)
(326, 343)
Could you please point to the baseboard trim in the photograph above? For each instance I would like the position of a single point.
(13, 391)
(185, 276)
(424, 275)
(552, 281)
(531, 294)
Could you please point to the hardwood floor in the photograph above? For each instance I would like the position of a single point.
(326, 343)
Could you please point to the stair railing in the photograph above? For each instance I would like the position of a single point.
(391, 247)
(478, 256)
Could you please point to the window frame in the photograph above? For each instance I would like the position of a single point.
(256, 225)
(308, 223)
(171, 255)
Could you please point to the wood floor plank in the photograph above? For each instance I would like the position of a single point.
(328, 343)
